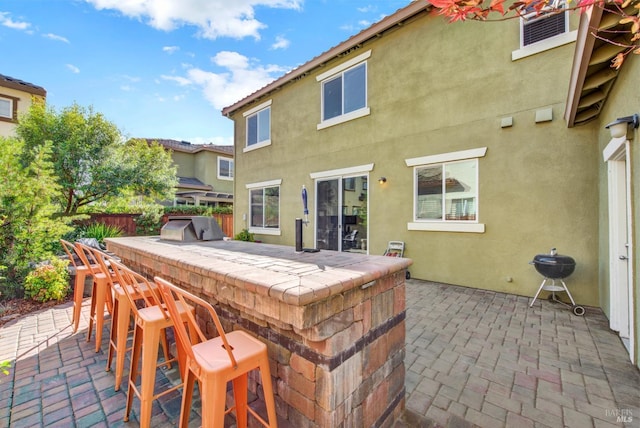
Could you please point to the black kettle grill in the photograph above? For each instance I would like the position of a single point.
(554, 266)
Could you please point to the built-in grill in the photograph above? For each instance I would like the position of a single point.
(191, 228)
(554, 266)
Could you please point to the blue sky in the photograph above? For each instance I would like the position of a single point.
(166, 68)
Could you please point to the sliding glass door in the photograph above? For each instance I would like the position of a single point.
(341, 214)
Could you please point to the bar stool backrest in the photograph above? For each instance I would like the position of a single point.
(172, 295)
(140, 291)
(87, 257)
(70, 249)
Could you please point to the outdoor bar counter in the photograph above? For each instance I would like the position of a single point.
(334, 322)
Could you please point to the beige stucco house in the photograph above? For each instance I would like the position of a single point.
(477, 145)
(205, 172)
(16, 97)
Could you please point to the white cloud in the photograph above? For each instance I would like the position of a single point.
(73, 68)
(56, 37)
(280, 43)
(170, 49)
(126, 88)
(369, 8)
(213, 18)
(133, 79)
(6, 21)
(182, 81)
(241, 78)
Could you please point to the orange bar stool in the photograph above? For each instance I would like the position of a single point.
(215, 362)
(121, 313)
(151, 322)
(82, 271)
(100, 296)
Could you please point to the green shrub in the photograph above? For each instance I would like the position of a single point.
(4, 367)
(197, 210)
(100, 231)
(48, 282)
(245, 235)
(29, 224)
(149, 221)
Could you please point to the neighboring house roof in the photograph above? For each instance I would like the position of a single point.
(592, 75)
(376, 30)
(193, 183)
(207, 195)
(186, 147)
(21, 85)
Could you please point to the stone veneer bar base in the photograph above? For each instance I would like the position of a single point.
(334, 322)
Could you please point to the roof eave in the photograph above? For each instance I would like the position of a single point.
(28, 88)
(385, 24)
(584, 49)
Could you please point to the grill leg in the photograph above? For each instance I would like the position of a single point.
(539, 290)
(573, 302)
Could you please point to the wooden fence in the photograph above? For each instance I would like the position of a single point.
(126, 222)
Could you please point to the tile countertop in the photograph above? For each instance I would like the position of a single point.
(273, 270)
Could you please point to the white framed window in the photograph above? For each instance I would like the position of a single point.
(6, 108)
(264, 207)
(258, 126)
(225, 168)
(543, 31)
(536, 27)
(344, 92)
(446, 192)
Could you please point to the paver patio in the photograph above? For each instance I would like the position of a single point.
(473, 358)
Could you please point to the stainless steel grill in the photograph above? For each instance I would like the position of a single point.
(191, 228)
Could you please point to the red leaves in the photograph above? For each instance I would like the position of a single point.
(617, 61)
(461, 10)
(497, 6)
(455, 10)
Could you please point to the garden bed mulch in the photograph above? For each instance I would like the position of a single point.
(12, 309)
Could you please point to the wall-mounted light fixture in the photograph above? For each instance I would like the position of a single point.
(619, 127)
(382, 180)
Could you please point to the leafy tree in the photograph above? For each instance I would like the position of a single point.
(482, 10)
(28, 230)
(91, 161)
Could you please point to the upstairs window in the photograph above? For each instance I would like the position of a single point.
(7, 107)
(258, 126)
(225, 168)
(344, 91)
(536, 27)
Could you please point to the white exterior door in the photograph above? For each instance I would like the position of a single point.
(620, 242)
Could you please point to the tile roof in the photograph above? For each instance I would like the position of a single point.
(187, 147)
(21, 85)
(192, 182)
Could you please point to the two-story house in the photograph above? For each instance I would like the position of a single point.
(205, 172)
(16, 97)
(478, 145)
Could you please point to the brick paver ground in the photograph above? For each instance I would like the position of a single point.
(474, 358)
(481, 358)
